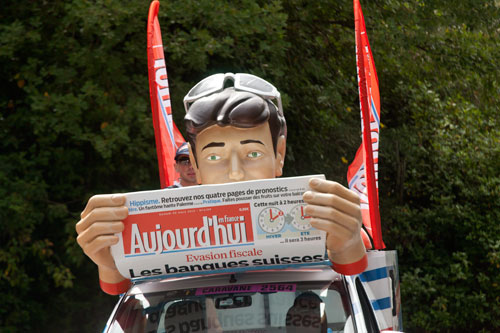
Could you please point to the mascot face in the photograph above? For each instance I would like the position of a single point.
(230, 154)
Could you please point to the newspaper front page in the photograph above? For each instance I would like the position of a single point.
(204, 229)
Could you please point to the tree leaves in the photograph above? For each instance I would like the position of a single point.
(75, 121)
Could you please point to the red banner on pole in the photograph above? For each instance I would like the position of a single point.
(167, 136)
(363, 172)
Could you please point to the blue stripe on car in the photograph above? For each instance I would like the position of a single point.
(374, 274)
(381, 303)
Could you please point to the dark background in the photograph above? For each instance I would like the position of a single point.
(76, 121)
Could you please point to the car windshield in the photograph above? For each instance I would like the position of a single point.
(319, 306)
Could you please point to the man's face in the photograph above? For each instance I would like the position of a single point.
(230, 154)
(185, 169)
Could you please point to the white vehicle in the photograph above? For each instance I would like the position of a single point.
(312, 299)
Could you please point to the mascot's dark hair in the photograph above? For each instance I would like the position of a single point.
(233, 108)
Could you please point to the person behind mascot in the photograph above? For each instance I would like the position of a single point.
(235, 134)
(184, 168)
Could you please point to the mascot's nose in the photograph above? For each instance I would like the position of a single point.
(235, 171)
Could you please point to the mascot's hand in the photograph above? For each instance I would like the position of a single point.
(336, 210)
(100, 220)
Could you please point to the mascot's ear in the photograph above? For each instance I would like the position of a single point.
(280, 156)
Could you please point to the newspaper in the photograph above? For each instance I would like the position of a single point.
(203, 229)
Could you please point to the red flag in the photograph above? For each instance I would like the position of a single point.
(363, 172)
(167, 136)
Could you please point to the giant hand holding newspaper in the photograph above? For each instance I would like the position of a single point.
(335, 209)
(100, 220)
(237, 226)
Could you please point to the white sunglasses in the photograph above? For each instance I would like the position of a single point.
(242, 82)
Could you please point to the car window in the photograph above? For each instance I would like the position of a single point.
(274, 307)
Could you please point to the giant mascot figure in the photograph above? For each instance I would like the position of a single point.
(236, 132)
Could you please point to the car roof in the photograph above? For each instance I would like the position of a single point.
(320, 273)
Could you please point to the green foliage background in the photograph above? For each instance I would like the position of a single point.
(75, 121)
